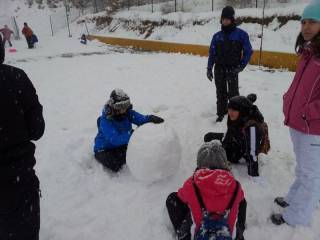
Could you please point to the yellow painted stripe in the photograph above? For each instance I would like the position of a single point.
(268, 59)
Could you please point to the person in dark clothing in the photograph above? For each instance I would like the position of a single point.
(21, 122)
(83, 39)
(217, 187)
(230, 52)
(115, 129)
(246, 136)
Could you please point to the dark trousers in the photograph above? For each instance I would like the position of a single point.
(20, 208)
(227, 86)
(113, 159)
(180, 216)
(4, 42)
(30, 42)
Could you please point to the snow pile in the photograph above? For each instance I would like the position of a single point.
(154, 152)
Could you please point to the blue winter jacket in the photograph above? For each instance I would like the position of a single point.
(115, 133)
(230, 49)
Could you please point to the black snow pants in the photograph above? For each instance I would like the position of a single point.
(227, 86)
(5, 40)
(113, 159)
(30, 42)
(19, 204)
(180, 217)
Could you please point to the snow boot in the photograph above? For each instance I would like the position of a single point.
(277, 219)
(219, 118)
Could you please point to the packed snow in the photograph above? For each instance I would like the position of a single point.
(154, 152)
(83, 201)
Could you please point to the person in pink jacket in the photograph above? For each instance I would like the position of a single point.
(301, 108)
(6, 32)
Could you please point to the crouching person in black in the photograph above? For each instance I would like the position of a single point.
(115, 129)
(21, 122)
(247, 133)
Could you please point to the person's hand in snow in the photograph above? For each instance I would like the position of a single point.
(155, 119)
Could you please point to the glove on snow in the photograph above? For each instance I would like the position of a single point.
(155, 119)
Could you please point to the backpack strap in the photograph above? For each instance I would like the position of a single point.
(198, 195)
(200, 200)
(235, 193)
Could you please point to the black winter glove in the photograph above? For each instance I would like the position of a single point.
(155, 119)
(238, 69)
(209, 75)
(213, 136)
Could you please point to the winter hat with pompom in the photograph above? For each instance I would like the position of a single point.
(212, 155)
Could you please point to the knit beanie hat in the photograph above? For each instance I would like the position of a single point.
(228, 12)
(119, 100)
(1, 50)
(312, 11)
(212, 155)
(241, 104)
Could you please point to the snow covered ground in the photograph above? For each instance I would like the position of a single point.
(83, 201)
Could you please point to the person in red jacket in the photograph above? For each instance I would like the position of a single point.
(301, 108)
(217, 187)
(28, 33)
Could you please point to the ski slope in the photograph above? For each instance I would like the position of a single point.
(83, 201)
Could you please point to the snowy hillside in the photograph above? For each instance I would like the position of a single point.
(187, 27)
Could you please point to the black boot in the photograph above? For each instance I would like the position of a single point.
(277, 219)
(281, 202)
(219, 118)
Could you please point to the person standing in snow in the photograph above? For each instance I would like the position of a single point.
(83, 39)
(301, 108)
(28, 33)
(246, 135)
(21, 122)
(217, 188)
(230, 52)
(6, 32)
(115, 129)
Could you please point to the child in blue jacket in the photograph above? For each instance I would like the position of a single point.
(115, 129)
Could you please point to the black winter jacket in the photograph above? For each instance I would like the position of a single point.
(21, 119)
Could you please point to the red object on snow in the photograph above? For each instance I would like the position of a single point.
(12, 50)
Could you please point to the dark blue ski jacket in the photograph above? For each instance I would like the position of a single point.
(230, 49)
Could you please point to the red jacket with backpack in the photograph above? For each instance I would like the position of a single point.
(217, 188)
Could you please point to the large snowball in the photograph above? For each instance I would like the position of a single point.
(154, 152)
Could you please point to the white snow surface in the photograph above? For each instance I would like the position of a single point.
(83, 201)
(154, 152)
